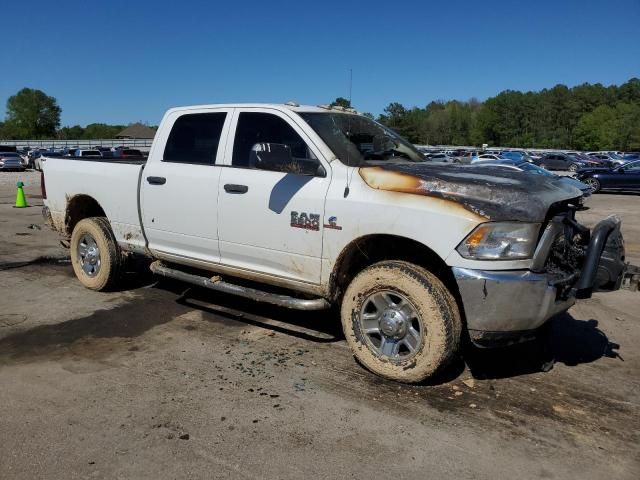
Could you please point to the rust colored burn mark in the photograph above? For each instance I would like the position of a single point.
(381, 179)
(392, 181)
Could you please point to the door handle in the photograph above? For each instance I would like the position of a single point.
(156, 180)
(232, 188)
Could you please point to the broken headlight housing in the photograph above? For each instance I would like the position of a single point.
(500, 241)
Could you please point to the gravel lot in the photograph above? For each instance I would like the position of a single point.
(158, 382)
(29, 178)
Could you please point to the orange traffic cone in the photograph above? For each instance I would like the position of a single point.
(21, 201)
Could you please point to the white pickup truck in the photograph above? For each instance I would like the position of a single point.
(321, 207)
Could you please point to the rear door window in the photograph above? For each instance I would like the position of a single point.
(194, 138)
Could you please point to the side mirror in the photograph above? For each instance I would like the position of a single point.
(270, 156)
(277, 157)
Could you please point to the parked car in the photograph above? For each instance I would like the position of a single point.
(589, 161)
(511, 155)
(11, 161)
(562, 161)
(516, 155)
(534, 156)
(624, 177)
(105, 151)
(304, 209)
(87, 153)
(530, 168)
(468, 157)
(441, 158)
(128, 153)
(485, 157)
(39, 161)
(608, 159)
(69, 151)
(630, 156)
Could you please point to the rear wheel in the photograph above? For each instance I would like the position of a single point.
(400, 321)
(593, 183)
(95, 255)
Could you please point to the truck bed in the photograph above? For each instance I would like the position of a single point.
(132, 161)
(112, 184)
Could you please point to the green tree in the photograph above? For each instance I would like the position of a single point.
(341, 102)
(586, 116)
(610, 128)
(32, 114)
(101, 130)
(71, 133)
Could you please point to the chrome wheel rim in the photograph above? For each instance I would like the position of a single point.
(592, 182)
(89, 255)
(391, 325)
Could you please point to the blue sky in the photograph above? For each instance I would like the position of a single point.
(124, 61)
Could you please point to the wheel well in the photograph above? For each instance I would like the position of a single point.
(79, 208)
(371, 249)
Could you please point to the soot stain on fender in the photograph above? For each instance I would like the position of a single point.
(490, 193)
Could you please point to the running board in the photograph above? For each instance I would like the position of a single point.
(216, 283)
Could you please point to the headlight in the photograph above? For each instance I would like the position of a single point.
(500, 241)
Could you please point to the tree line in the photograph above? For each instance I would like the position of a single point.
(34, 115)
(585, 117)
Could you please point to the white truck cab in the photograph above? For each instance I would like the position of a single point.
(335, 208)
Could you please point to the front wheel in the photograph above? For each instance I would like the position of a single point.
(95, 255)
(400, 321)
(573, 168)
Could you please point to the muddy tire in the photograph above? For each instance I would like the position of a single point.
(95, 255)
(400, 321)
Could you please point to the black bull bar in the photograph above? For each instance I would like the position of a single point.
(604, 267)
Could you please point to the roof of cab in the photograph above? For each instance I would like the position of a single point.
(276, 106)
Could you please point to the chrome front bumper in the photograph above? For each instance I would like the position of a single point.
(507, 303)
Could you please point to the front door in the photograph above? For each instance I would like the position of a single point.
(631, 176)
(271, 216)
(179, 197)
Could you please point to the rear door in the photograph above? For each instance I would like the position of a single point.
(564, 161)
(271, 220)
(179, 197)
(556, 162)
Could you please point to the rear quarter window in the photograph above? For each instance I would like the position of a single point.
(194, 138)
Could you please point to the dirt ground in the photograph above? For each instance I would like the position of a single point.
(161, 381)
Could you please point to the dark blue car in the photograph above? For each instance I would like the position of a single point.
(625, 177)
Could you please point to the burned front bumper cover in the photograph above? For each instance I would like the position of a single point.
(503, 307)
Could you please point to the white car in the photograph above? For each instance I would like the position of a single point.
(485, 157)
(318, 207)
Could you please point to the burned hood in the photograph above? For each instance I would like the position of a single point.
(496, 194)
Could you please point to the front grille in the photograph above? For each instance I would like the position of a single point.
(567, 243)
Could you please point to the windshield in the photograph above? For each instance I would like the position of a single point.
(531, 168)
(357, 140)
